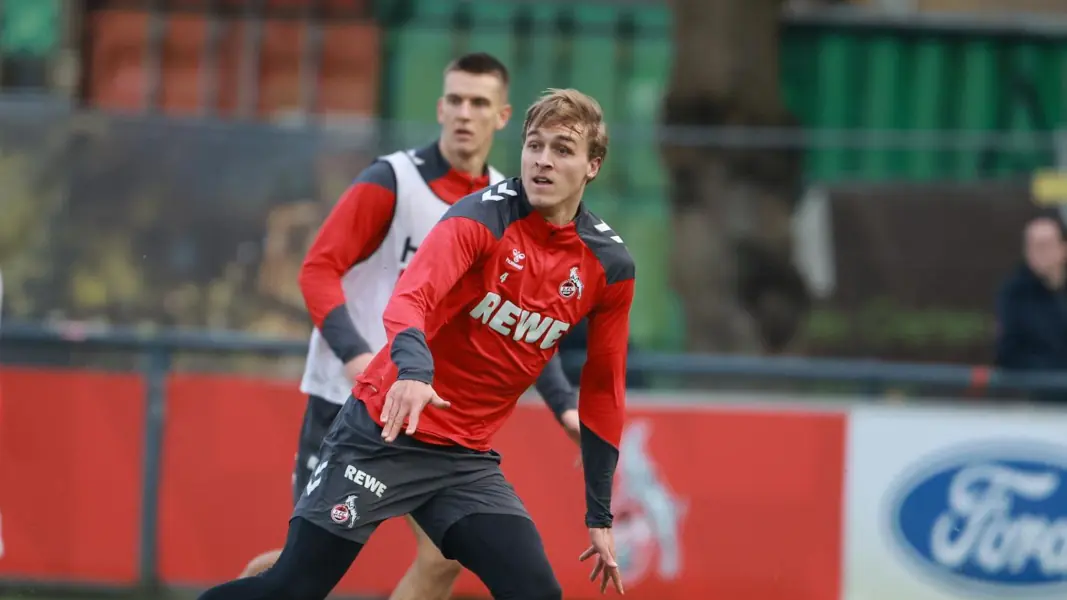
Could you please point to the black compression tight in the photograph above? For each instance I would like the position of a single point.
(312, 562)
(504, 551)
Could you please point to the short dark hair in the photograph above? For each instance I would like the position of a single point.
(570, 108)
(479, 63)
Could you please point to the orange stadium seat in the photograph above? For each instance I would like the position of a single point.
(116, 59)
(350, 73)
(348, 69)
(180, 83)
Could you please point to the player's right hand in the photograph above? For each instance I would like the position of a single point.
(603, 548)
(405, 400)
(355, 367)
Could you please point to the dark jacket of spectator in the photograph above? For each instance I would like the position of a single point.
(1031, 324)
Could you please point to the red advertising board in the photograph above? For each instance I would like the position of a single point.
(710, 502)
(70, 475)
(225, 496)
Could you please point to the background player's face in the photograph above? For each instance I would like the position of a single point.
(556, 165)
(472, 108)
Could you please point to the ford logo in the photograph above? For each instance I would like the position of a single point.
(988, 519)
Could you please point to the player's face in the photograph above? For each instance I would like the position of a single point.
(472, 108)
(556, 165)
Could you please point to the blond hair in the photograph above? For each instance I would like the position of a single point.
(573, 109)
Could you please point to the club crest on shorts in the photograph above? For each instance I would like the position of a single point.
(572, 285)
(345, 513)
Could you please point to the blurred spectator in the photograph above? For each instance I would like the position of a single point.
(1032, 305)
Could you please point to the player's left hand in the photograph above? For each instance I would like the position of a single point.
(603, 547)
(406, 400)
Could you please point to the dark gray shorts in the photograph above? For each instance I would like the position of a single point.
(318, 418)
(361, 481)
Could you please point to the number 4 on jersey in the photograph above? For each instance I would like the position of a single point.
(497, 194)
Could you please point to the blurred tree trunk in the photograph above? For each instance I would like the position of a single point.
(732, 207)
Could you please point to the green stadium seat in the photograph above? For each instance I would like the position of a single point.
(976, 82)
(883, 105)
(594, 70)
(931, 62)
(652, 57)
(30, 27)
(419, 49)
(492, 31)
(834, 103)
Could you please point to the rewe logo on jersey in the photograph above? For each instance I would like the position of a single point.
(505, 318)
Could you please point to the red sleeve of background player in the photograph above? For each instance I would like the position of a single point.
(353, 231)
(451, 248)
(602, 400)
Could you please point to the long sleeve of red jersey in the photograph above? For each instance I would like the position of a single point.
(353, 231)
(449, 250)
(602, 398)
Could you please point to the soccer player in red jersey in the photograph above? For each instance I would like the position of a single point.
(367, 241)
(469, 328)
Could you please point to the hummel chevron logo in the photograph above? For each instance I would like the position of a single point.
(603, 227)
(316, 479)
(500, 189)
(415, 158)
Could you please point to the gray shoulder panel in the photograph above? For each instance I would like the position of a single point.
(607, 246)
(496, 206)
(379, 173)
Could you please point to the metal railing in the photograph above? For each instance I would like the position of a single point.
(157, 350)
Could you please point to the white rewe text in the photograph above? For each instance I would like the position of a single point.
(360, 478)
(507, 319)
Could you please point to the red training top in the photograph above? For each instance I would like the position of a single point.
(481, 309)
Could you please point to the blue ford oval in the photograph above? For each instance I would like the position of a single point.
(991, 517)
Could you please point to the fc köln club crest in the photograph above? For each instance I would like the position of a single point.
(572, 285)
